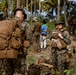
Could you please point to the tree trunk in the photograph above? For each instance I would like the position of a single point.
(19, 3)
(27, 7)
(64, 7)
(58, 11)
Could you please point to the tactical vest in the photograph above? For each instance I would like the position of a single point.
(56, 41)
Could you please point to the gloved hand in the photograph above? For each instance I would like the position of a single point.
(60, 35)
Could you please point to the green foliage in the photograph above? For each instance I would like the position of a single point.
(3, 5)
(13, 7)
(67, 72)
(31, 59)
(70, 71)
(51, 25)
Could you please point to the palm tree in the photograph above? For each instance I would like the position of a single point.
(19, 3)
(27, 7)
(58, 11)
(35, 7)
(50, 4)
(65, 18)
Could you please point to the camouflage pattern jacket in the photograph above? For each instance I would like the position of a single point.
(66, 39)
(36, 27)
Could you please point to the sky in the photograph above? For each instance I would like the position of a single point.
(72, 0)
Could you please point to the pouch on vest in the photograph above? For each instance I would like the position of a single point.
(58, 43)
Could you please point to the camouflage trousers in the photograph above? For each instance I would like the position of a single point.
(36, 37)
(13, 66)
(58, 59)
(36, 41)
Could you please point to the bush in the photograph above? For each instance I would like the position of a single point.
(70, 71)
(51, 26)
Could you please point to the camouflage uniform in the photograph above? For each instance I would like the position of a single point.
(21, 66)
(15, 66)
(36, 35)
(58, 57)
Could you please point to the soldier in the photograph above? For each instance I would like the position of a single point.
(17, 66)
(36, 33)
(59, 48)
(19, 13)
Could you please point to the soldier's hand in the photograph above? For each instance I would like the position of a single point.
(60, 35)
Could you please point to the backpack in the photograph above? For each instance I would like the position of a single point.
(8, 34)
(44, 29)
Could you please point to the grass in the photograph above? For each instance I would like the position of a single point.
(71, 71)
(31, 59)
